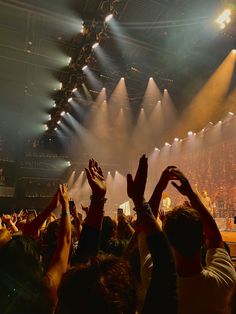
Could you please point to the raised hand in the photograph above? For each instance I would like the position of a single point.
(184, 187)
(136, 186)
(166, 176)
(63, 195)
(96, 179)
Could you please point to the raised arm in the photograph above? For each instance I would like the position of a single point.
(32, 228)
(213, 237)
(60, 259)
(155, 199)
(161, 293)
(90, 235)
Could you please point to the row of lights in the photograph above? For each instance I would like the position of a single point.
(84, 54)
(191, 133)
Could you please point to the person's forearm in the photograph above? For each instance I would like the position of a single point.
(33, 227)
(212, 234)
(95, 214)
(78, 226)
(64, 237)
(155, 199)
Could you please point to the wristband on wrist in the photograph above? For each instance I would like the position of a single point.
(65, 213)
(99, 199)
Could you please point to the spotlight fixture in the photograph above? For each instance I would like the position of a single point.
(49, 117)
(84, 67)
(68, 163)
(62, 113)
(95, 45)
(234, 51)
(45, 127)
(69, 99)
(231, 113)
(69, 60)
(176, 139)
(60, 85)
(74, 90)
(109, 172)
(108, 18)
(59, 122)
(190, 133)
(54, 105)
(156, 149)
(165, 90)
(224, 18)
(167, 144)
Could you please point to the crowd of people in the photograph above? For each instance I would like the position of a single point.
(86, 262)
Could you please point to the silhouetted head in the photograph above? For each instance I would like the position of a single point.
(103, 285)
(22, 287)
(184, 229)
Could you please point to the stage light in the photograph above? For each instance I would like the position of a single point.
(109, 172)
(167, 144)
(84, 67)
(94, 46)
(49, 117)
(55, 129)
(54, 104)
(220, 122)
(45, 127)
(151, 78)
(165, 90)
(69, 99)
(190, 133)
(231, 113)
(224, 18)
(68, 163)
(82, 29)
(156, 149)
(116, 172)
(62, 113)
(211, 123)
(59, 122)
(74, 90)
(122, 78)
(69, 60)
(60, 85)
(234, 51)
(108, 18)
(176, 139)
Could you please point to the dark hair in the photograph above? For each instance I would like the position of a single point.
(103, 285)
(22, 286)
(184, 229)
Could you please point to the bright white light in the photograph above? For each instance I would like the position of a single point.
(167, 144)
(62, 113)
(108, 18)
(151, 78)
(109, 172)
(231, 113)
(211, 123)
(59, 122)
(156, 149)
(60, 85)
(94, 46)
(224, 18)
(55, 128)
(220, 122)
(116, 172)
(69, 60)
(82, 28)
(176, 139)
(45, 127)
(234, 51)
(74, 90)
(165, 90)
(69, 99)
(122, 78)
(84, 67)
(68, 163)
(49, 117)
(190, 133)
(54, 104)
